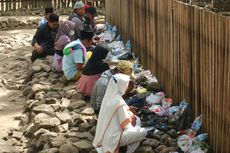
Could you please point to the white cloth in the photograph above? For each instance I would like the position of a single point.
(113, 116)
(132, 136)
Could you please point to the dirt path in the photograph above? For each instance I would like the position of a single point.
(14, 51)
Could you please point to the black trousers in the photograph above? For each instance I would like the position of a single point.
(36, 55)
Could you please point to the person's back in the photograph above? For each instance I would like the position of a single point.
(94, 67)
(48, 11)
(77, 17)
(100, 87)
(64, 36)
(70, 60)
(91, 12)
(99, 90)
(43, 40)
(44, 36)
(75, 55)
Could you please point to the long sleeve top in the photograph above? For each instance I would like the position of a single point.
(44, 37)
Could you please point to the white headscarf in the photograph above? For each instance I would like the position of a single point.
(113, 116)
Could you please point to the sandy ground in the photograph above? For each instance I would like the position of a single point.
(14, 51)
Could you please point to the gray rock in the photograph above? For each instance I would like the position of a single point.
(84, 135)
(84, 127)
(151, 142)
(31, 129)
(4, 24)
(72, 140)
(74, 129)
(164, 138)
(88, 111)
(44, 120)
(93, 130)
(12, 22)
(70, 134)
(35, 103)
(14, 142)
(171, 142)
(43, 74)
(40, 95)
(52, 150)
(63, 117)
(172, 133)
(144, 149)
(25, 119)
(41, 131)
(84, 145)
(17, 135)
(158, 135)
(36, 69)
(160, 148)
(169, 150)
(75, 96)
(54, 94)
(76, 105)
(92, 122)
(27, 90)
(93, 151)
(68, 148)
(65, 102)
(45, 67)
(44, 108)
(51, 101)
(54, 75)
(56, 107)
(63, 128)
(40, 87)
(58, 141)
(48, 136)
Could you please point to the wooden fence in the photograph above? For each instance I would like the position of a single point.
(13, 5)
(188, 49)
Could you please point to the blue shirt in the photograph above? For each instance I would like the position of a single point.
(77, 56)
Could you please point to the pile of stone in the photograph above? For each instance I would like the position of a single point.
(36, 12)
(55, 119)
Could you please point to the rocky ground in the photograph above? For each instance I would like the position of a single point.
(14, 47)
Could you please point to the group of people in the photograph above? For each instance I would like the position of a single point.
(70, 42)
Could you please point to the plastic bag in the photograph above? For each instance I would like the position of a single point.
(157, 109)
(185, 143)
(153, 99)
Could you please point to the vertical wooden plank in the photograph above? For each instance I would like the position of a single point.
(197, 58)
(14, 5)
(2, 6)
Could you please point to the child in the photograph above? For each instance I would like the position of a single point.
(48, 11)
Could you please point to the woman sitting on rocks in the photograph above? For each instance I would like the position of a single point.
(117, 126)
(92, 70)
(65, 35)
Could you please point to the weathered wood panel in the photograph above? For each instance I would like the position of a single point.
(12, 5)
(187, 48)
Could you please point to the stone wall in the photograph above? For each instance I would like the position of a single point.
(20, 22)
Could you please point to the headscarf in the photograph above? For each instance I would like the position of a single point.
(113, 116)
(64, 35)
(95, 64)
